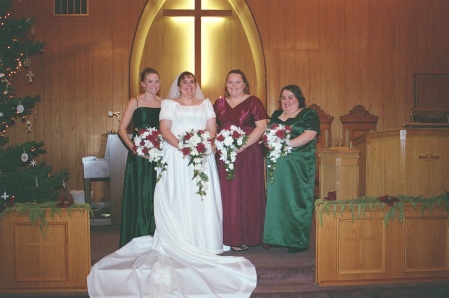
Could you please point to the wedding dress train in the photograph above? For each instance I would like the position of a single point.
(181, 259)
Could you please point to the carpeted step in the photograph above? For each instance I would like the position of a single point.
(307, 290)
(303, 274)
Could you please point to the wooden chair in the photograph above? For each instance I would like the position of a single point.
(356, 123)
(325, 138)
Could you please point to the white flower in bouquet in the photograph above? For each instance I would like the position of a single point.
(148, 143)
(194, 140)
(233, 156)
(277, 141)
(196, 144)
(227, 142)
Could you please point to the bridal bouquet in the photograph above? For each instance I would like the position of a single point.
(227, 142)
(276, 139)
(148, 144)
(197, 145)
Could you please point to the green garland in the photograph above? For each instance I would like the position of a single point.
(37, 212)
(359, 206)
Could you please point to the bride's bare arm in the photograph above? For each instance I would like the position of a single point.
(165, 129)
(211, 127)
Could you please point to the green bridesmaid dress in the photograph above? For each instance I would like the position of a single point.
(289, 209)
(139, 183)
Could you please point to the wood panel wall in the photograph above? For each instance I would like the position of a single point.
(345, 53)
(82, 74)
(341, 53)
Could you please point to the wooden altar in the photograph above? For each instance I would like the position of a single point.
(409, 161)
(364, 249)
(52, 258)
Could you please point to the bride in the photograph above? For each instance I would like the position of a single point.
(181, 259)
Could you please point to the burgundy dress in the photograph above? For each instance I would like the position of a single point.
(243, 197)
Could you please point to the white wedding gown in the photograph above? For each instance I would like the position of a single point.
(181, 259)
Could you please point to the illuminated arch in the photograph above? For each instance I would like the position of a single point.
(245, 17)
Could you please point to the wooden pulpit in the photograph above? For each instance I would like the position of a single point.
(409, 161)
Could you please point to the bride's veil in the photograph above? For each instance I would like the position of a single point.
(173, 92)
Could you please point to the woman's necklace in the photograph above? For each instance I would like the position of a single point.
(286, 116)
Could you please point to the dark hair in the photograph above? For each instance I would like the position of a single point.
(184, 75)
(297, 93)
(245, 81)
(147, 71)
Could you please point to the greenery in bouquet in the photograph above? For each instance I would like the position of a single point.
(277, 141)
(227, 142)
(148, 143)
(196, 145)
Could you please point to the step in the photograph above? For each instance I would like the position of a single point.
(286, 274)
(307, 290)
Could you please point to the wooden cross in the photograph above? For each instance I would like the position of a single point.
(197, 13)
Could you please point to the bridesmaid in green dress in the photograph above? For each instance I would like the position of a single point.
(140, 177)
(288, 217)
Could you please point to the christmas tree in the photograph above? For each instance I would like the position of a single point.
(22, 179)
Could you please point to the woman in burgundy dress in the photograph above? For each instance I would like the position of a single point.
(244, 196)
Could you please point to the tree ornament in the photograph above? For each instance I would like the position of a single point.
(27, 62)
(63, 184)
(24, 156)
(33, 163)
(5, 196)
(29, 126)
(37, 183)
(20, 108)
(30, 76)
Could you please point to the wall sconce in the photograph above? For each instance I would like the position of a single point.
(112, 114)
